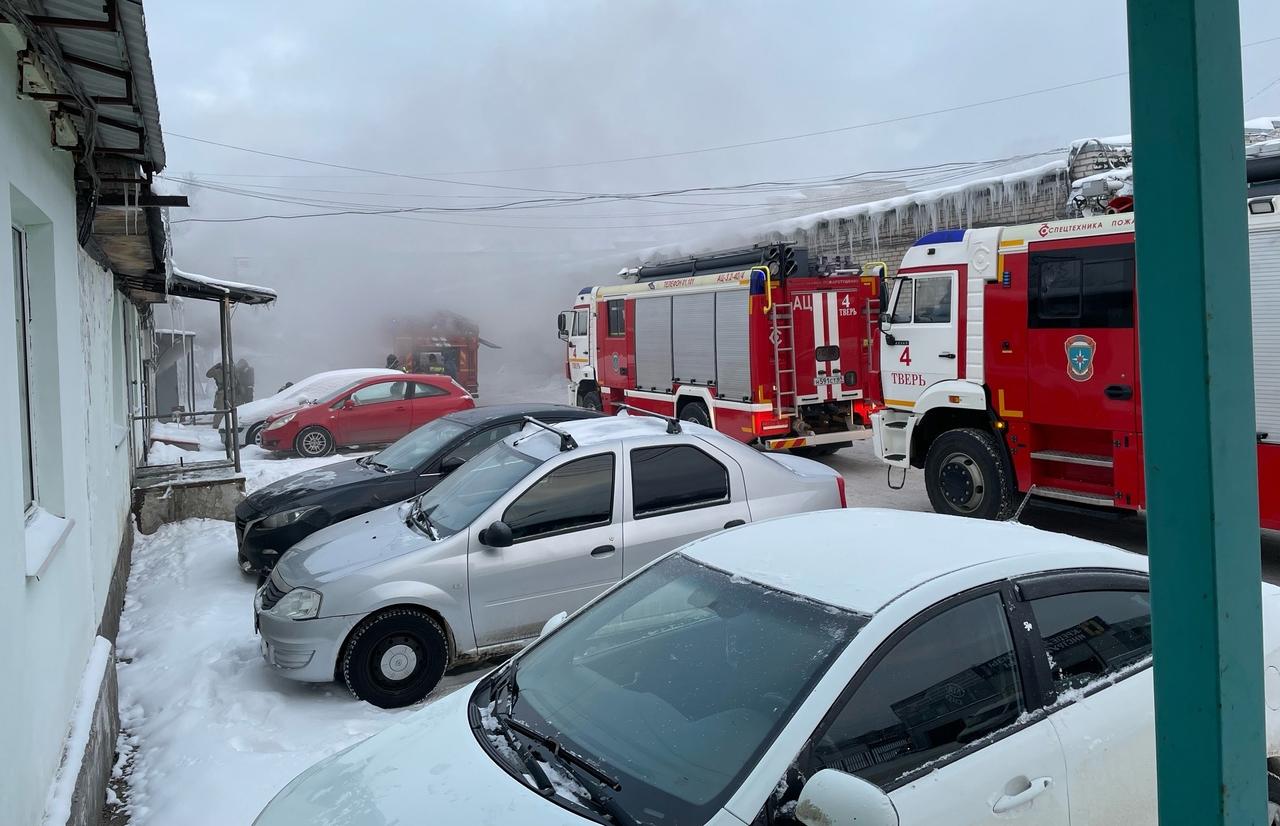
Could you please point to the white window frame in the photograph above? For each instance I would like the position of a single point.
(22, 297)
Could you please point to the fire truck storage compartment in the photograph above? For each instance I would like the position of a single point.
(1264, 267)
(653, 343)
(693, 338)
(733, 350)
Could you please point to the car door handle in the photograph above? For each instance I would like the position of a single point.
(1119, 392)
(947, 355)
(1035, 788)
(733, 523)
(603, 550)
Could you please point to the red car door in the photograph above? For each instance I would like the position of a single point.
(376, 413)
(434, 398)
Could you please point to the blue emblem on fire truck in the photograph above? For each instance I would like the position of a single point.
(1080, 350)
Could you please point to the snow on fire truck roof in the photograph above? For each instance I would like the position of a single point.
(863, 558)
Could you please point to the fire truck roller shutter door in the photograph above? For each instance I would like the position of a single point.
(1264, 267)
(693, 335)
(653, 343)
(733, 351)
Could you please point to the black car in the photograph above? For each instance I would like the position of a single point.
(271, 520)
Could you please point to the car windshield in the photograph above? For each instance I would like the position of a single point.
(420, 445)
(333, 397)
(464, 494)
(676, 683)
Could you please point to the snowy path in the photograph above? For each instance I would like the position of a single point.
(216, 733)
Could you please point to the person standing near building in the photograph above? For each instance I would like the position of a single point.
(434, 367)
(220, 396)
(244, 382)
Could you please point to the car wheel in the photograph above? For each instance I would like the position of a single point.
(966, 475)
(313, 441)
(591, 401)
(253, 436)
(395, 658)
(695, 412)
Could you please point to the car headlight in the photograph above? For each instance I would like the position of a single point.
(279, 520)
(298, 604)
(280, 422)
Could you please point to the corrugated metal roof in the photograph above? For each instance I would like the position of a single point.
(94, 57)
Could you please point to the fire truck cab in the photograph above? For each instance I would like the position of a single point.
(1009, 364)
(751, 343)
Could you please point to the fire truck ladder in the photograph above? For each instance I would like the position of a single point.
(784, 400)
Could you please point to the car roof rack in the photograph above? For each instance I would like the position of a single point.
(673, 424)
(567, 442)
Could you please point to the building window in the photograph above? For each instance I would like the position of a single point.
(22, 337)
(617, 318)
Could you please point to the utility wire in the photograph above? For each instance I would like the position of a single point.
(701, 150)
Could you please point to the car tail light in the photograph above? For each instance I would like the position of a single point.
(844, 502)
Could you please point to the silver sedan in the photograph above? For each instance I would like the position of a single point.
(539, 524)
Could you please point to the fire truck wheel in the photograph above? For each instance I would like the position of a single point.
(591, 400)
(313, 441)
(965, 475)
(695, 412)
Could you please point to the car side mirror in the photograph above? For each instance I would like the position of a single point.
(833, 798)
(553, 623)
(562, 326)
(450, 464)
(497, 535)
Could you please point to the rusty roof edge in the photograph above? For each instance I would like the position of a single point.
(133, 28)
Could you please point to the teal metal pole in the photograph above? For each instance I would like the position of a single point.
(1198, 414)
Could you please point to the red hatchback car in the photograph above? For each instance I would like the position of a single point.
(372, 411)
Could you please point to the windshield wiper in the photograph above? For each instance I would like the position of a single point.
(419, 517)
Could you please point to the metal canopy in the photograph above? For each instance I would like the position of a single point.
(192, 285)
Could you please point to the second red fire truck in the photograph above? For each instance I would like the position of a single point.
(1010, 365)
(752, 343)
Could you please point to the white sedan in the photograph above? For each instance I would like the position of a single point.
(842, 667)
(251, 416)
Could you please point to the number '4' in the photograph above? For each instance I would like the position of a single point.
(905, 358)
(844, 302)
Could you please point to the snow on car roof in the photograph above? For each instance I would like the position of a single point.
(862, 558)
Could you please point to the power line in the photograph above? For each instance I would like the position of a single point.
(686, 152)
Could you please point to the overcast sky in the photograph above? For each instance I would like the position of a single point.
(453, 91)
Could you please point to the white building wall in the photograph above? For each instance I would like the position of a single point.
(47, 624)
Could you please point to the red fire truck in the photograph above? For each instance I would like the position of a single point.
(444, 343)
(1010, 365)
(752, 343)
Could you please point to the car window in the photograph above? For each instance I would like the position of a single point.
(933, 300)
(382, 392)
(581, 320)
(948, 682)
(1089, 634)
(1084, 287)
(482, 440)
(423, 391)
(675, 477)
(573, 496)
(901, 312)
(419, 445)
(617, 317)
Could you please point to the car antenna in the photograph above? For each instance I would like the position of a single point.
(673, 424)
(567, 441)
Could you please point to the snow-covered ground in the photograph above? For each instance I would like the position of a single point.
(211, 733)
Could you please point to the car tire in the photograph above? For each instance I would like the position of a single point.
(695, 412)
(253, 436)
(313, 441)
(591, 401)
(965, 474)
(395, 658)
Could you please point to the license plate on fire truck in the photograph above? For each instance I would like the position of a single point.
(827, 381)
